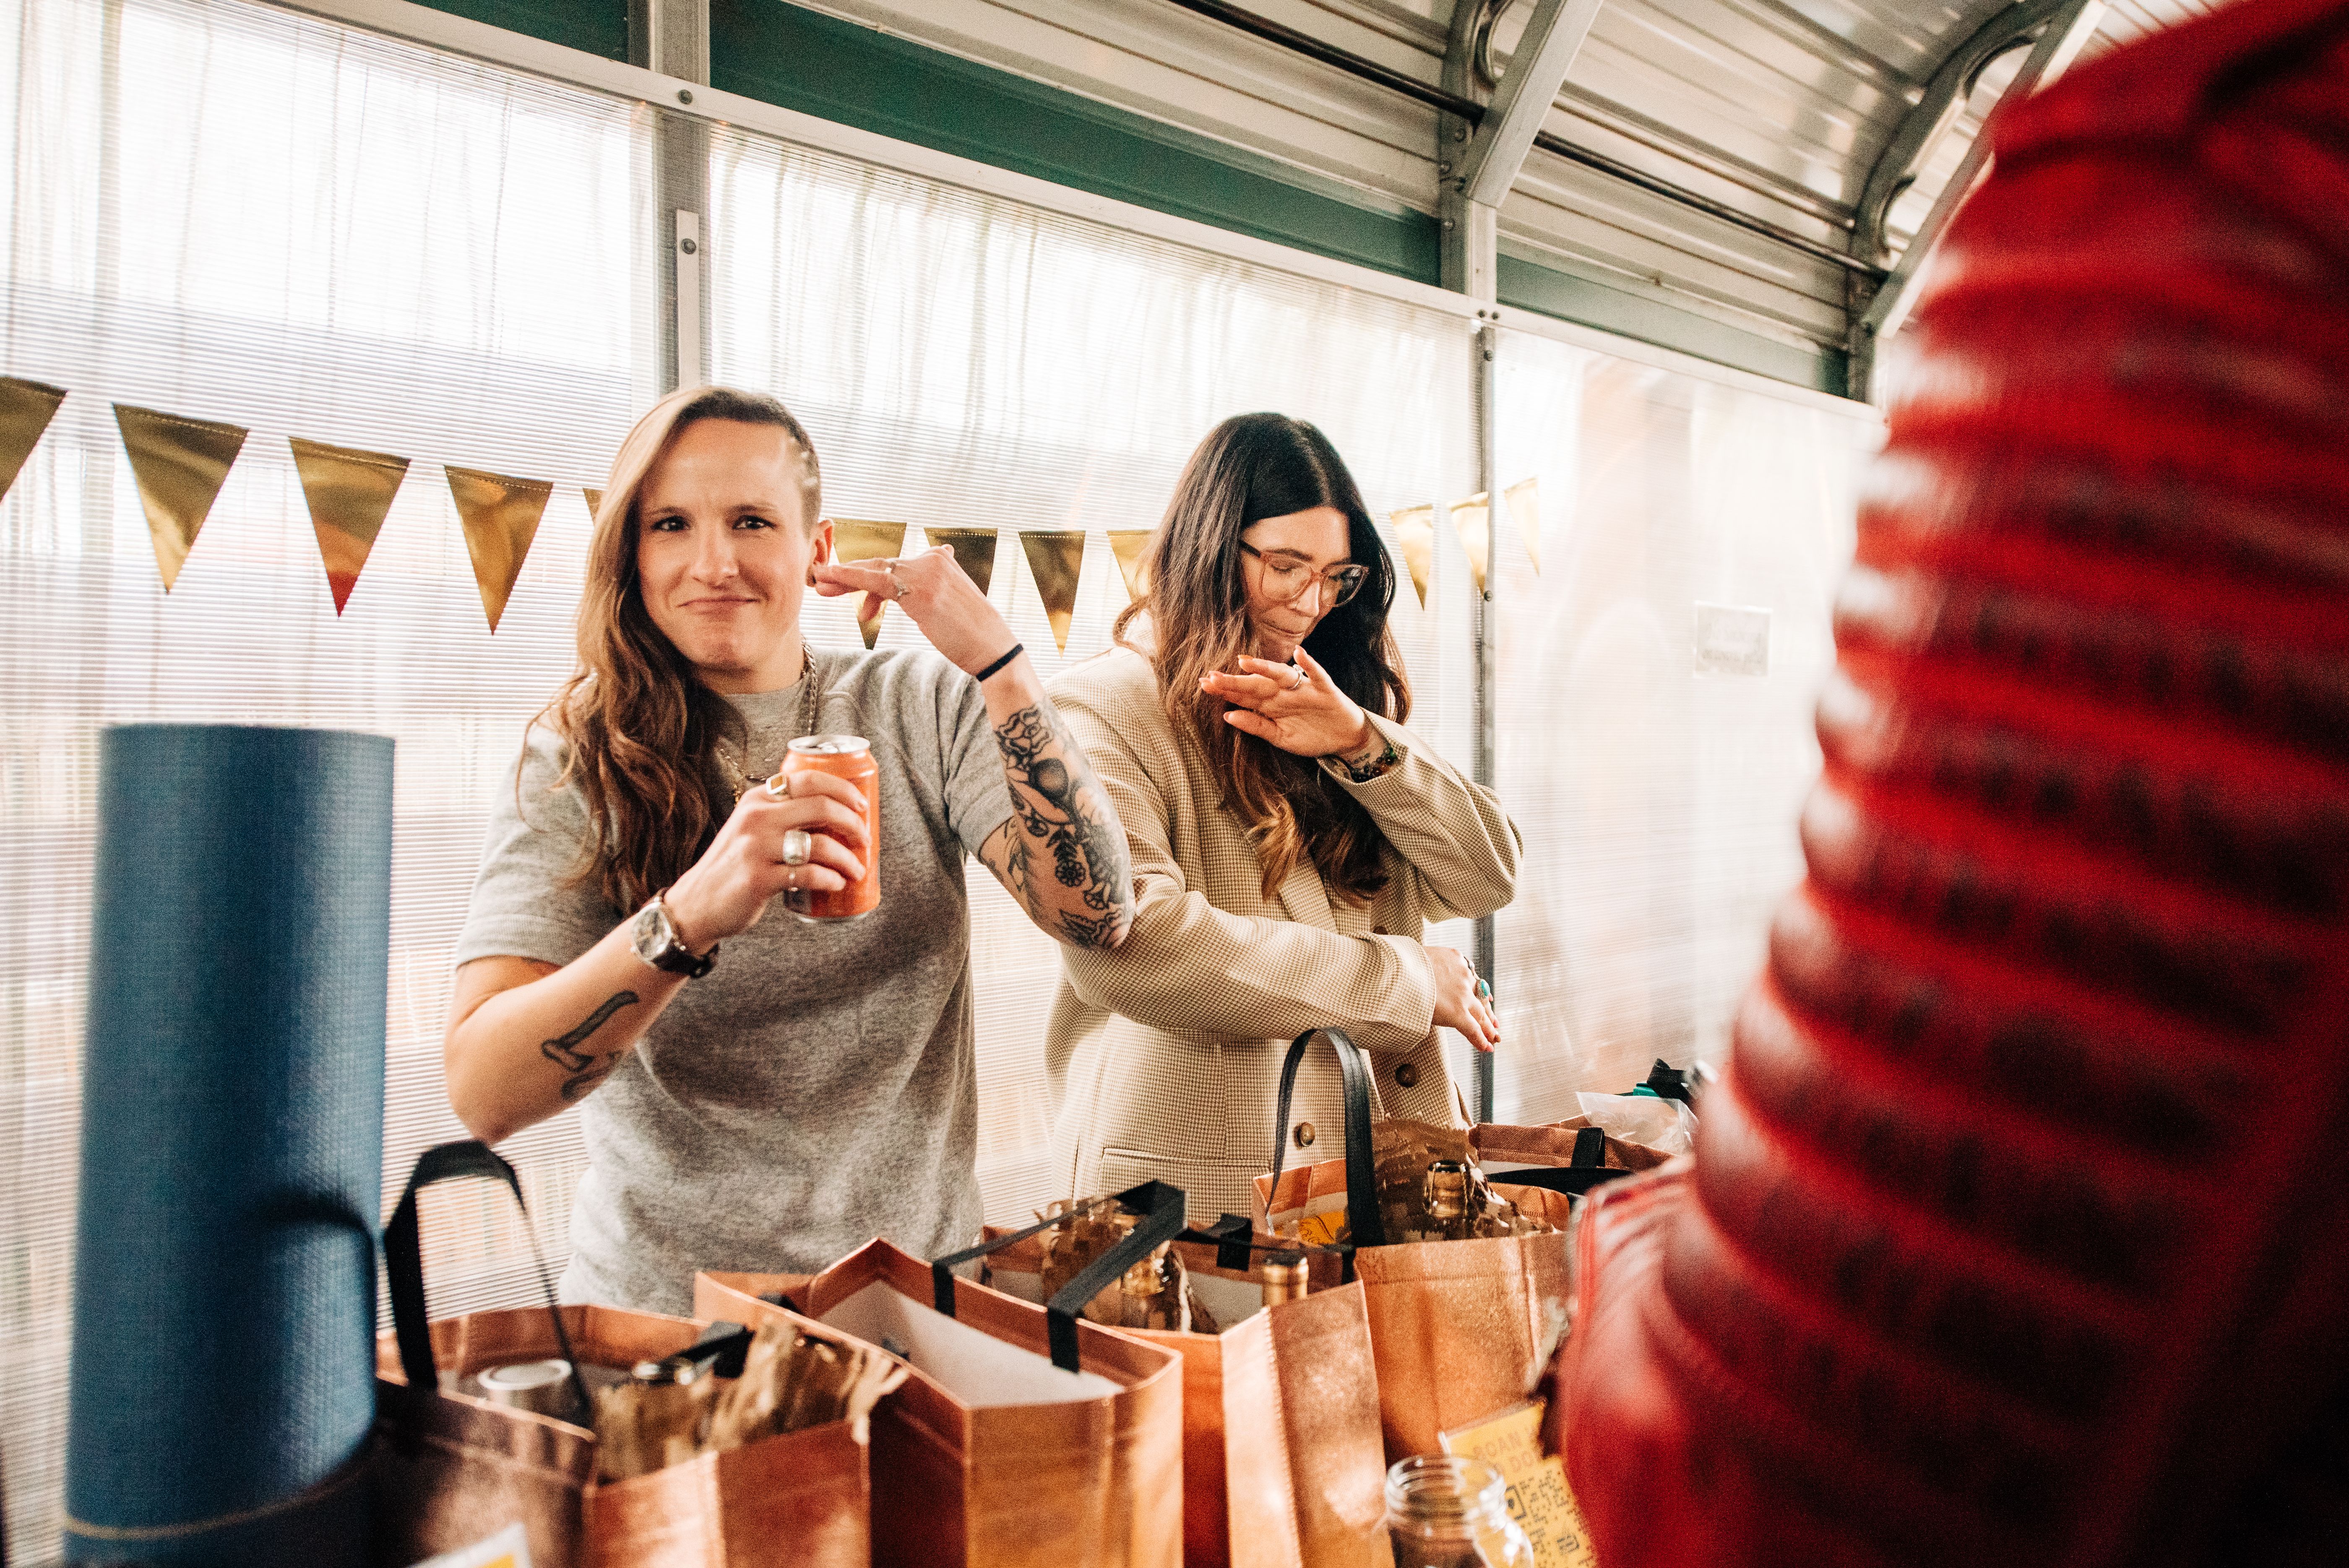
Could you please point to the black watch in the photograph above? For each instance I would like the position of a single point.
(654, 936)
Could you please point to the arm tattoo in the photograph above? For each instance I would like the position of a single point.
(586, 1071)
(1049, 781)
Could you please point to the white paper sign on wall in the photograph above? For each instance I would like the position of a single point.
(1731, 639)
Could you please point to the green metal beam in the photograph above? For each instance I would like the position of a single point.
(821, 65)
(1530, 285)
(596, 27)
(839, 71)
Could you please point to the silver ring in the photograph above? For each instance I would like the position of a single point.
(797, 846)
(893, 583)
(1298, 684)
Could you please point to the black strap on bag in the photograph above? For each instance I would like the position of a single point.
(1362, 1220)
(1588, 1170)
(1161, 1208)
(403, 1263)
(1667, 1082)
(1232, 1236)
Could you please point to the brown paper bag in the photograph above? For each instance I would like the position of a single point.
(1283, 1462)
(450, 1470)
(974, 1467)
(1459, 1330)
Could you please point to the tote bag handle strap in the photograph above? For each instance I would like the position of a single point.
(1161, 1208)
(1361, 1175)
(403, 1262)
(1589, 1168)
(1233, 1238)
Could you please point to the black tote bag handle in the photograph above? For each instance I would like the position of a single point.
(1362, 1220)
(1585, 1173)
(403, 1264)
(1161, 1208)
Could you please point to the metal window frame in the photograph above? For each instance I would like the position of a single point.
(686, 107)
(686, 99)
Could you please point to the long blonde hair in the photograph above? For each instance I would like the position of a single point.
(642, 728)
(1252, 467)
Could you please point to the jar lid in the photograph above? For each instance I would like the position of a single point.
(522, 1377)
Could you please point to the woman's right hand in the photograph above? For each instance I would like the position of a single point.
(729, 887)
(1461, 1001)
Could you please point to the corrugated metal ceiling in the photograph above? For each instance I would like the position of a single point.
(1776, 108)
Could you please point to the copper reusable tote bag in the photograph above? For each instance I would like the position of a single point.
(1283, 1463)
(452, 1470)
(1025, 1437)
(1459, 1330)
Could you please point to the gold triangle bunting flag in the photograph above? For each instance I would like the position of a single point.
(181, 465)
(26, 409)
(1056, 558)
(594, 501)
(501, 518)
(854, 539)
(1472, 520)
(974, 551)
(349, 491)
(1525, 510)
(1414, 529)
(1132, 548)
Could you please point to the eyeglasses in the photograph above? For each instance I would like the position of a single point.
(1286, 578)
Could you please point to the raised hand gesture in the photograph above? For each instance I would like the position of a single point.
(937, 593)
(1296, 707)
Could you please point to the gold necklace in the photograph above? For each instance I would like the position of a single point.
(737, 776)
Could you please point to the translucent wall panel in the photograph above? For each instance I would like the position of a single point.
(1656, 785)
(226, 213)
(965, 362)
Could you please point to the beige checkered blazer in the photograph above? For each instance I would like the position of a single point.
(1165, 1055)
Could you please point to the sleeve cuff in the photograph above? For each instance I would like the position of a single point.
(1394, 735)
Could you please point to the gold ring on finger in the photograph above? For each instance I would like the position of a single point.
(779, 786)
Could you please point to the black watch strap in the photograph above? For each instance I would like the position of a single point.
(675, 959)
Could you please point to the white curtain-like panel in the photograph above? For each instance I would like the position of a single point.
(226, 213)
(1654, 764)
(964, 363)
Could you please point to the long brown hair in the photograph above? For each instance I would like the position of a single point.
(643, 730)
(1249, 468)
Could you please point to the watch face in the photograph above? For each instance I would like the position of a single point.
(653, 937)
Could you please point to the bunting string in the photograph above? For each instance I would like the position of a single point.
(181, 465)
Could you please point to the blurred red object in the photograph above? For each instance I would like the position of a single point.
(2018, 1229)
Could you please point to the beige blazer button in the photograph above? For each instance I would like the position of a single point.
(1305, 1134)
(1407, 1074)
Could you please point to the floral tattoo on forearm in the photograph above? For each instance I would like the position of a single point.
(1050, 786)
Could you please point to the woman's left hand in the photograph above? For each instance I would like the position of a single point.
(937, 593)
(1295, 707)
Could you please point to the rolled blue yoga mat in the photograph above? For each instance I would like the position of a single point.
(231, 1147)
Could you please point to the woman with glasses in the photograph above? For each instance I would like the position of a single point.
(1289, 839)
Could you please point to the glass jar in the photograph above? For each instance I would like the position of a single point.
(1444, 1513)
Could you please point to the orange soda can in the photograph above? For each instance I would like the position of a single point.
(844, 757)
